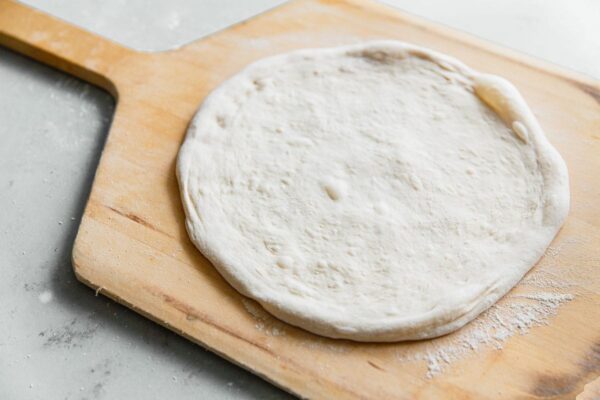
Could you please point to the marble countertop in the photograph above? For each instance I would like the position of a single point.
(57, 339)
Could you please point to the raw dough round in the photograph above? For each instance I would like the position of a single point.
(375, 192)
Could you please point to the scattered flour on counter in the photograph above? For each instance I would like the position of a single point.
(46, 297)
(80, 107)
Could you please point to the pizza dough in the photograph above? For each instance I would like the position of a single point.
(374, 192)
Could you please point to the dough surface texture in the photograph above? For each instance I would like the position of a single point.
(374, 192)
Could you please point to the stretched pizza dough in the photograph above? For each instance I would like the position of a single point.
(374, 192)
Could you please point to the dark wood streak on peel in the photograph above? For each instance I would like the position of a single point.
(194, 315)
(567, 386)
(372, 364)
(551, 386)
(590, 90)
(137, 219)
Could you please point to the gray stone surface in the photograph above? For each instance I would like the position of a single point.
(58, 340)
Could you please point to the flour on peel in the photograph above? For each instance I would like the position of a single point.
(491, 330)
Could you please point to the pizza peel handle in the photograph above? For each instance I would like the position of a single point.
(61, 45)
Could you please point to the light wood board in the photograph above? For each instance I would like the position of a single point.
(132, 245)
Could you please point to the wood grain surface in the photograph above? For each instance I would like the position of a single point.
(132, 245)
